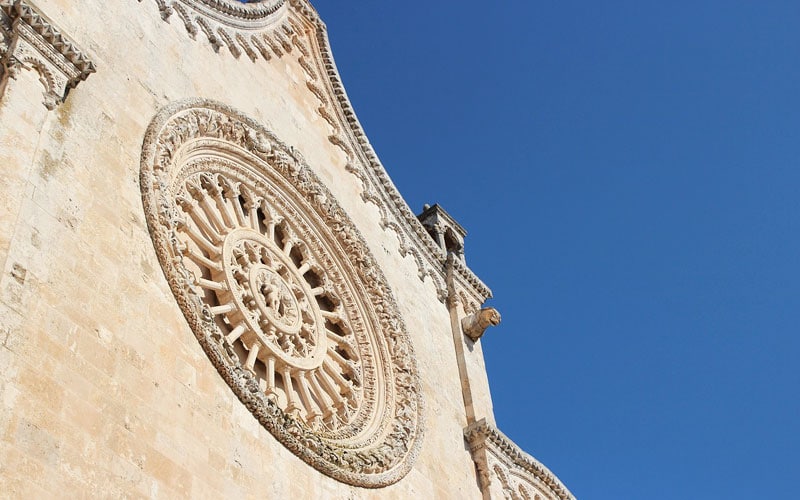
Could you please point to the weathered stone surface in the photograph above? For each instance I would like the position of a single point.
(104, 387)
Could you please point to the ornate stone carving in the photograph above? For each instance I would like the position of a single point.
(258, 29)
(378, 188)
(476, 323)
(503, 466)
(32, 42)
(281, 291)
(278, 27)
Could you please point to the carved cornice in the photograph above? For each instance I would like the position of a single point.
(33, 42)
(378, 188)
(495, 455)
(284, 25)
(469, 284)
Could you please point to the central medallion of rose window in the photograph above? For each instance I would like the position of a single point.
(267, 298)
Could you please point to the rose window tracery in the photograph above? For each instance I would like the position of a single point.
(275, 303)
(282, 292)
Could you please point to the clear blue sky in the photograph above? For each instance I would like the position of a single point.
(628, 175)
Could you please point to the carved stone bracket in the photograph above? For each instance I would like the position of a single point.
(32, 42)
(504, 470)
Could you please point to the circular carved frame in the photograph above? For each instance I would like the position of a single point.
(235, 13)
(360, 420)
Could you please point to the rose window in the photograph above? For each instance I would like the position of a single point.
(282, 293)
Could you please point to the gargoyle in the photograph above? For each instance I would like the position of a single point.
(476, 323)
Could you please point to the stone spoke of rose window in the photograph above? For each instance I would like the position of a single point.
(273, 302)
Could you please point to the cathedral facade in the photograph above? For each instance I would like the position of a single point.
(210, 285)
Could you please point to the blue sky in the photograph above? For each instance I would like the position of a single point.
(628, 175)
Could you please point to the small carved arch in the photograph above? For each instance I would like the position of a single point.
(45, 75)
(508, 489)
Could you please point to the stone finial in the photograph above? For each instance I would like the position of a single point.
(476, 323)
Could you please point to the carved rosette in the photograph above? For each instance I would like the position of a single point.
(282, 292)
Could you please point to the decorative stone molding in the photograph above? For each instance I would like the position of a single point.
(504, 469)
(377, 187)
(281, 291)
(32, 42)
(475, 324)
(258, 29)
(279, 26)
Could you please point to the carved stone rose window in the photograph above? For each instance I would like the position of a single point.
(282, 293)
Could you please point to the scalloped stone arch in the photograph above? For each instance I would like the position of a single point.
(46, 76)
(281, 291)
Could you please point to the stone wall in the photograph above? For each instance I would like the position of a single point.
(104, 388)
